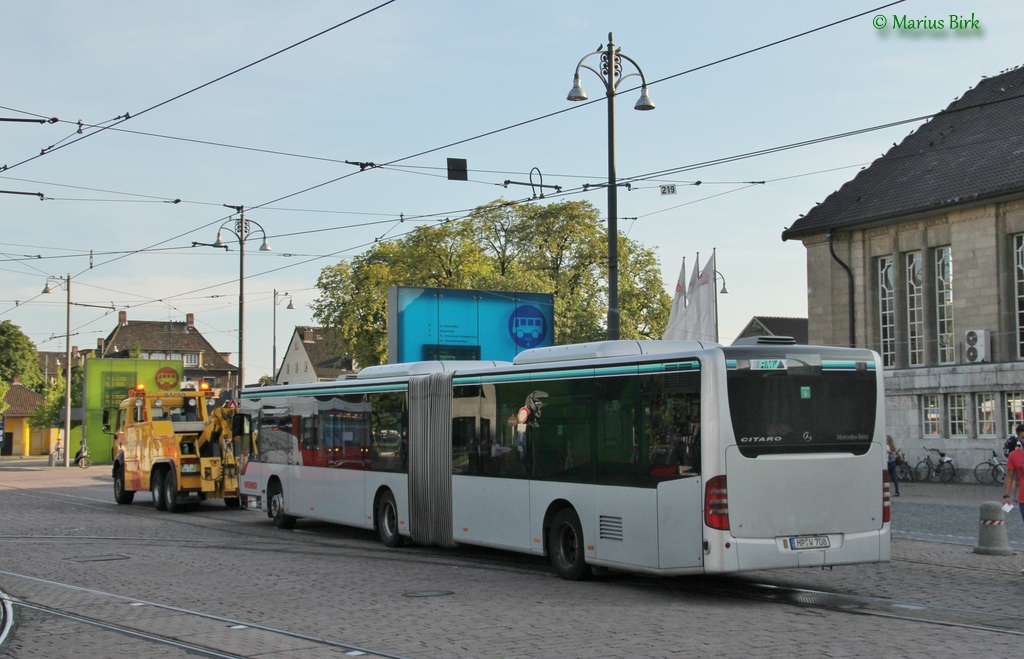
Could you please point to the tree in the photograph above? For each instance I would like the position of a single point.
(560, 249)
(47, 413)
(18, 358)
(4, 388)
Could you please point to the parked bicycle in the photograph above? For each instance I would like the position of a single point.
(992, 470)
(929, 469)
(82, 458)
(903, 469)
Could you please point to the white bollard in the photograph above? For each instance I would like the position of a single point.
(992, 531)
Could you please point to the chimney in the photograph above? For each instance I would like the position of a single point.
(99, 346)
(190, 320)
(307, 336)
(74, 354)
(122, 318)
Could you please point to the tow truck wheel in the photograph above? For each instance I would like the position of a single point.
(156, 488)
(171, 493)
(121, 495)
(275, 508)
(232, 502)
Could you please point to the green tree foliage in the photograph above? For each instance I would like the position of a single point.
(18, 358)
(47, 414)
(4, 388)
(560, 249)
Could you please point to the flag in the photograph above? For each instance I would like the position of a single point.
(678, 302)
(702, 305)
(680, 329)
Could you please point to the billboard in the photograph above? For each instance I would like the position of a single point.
(427, 324)
(106, 384)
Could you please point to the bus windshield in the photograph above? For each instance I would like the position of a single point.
(801, 402)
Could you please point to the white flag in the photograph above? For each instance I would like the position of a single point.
(678, 303)
(702, 304)
(681, 328)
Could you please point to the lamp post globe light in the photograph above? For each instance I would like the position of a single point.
(611, 75)
(67, 368)
(241, 229)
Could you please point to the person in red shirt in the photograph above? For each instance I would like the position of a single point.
(1015, 471)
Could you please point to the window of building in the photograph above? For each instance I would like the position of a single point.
(985, 414)
(1018, 262)
(1014, 411)
(210, 381)
(931, 419)
(915, 310)
(956, 406)
(191, 360)
(887, 310)
(158, 355)
(944, 304)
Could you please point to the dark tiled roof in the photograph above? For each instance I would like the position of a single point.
(971, 151)
(21, 400)
(162, 336)
(325, 353)
(776, 326)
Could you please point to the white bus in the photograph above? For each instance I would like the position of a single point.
(662, 457)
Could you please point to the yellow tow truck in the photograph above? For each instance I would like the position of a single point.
(175, 446)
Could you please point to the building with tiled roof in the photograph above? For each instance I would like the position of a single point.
(313, 355)
(168, 339)
(776, 326)
(19, 437)
(921, 258)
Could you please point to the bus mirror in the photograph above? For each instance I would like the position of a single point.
(241, 424)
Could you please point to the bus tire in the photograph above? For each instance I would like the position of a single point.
(121, 495)
(387, 521)
(156, 488)
(171, 492)
(566, 547)
(275, 507)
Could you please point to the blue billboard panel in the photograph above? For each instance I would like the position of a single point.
(445, 323)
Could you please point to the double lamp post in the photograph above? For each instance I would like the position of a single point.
(611, 75)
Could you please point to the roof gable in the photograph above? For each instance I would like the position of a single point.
(22, 401)
(970, 152)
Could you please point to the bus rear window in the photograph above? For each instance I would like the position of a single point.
(802, 403)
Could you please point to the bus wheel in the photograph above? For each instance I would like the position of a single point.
(565, 546)
(156, 488)
(121, 495)
(276, 508)
(171, 493)
(387, 521)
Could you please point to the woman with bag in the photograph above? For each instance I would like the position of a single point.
(890, 461)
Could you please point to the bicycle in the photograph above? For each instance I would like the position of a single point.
(991, 470)
(928, 469)
(82, 458)
(903, 469)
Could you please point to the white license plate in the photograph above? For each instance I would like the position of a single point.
(809, 542)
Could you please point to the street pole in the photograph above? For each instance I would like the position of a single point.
(611, 76)
(67, 384)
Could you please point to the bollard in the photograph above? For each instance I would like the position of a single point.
(992, 531)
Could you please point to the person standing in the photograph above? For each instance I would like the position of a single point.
(890, 461)
(1015, 473)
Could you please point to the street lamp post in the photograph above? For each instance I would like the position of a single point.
(611, 75)
(242, 230)
(291, 305)
(724, 291)
(67, 370)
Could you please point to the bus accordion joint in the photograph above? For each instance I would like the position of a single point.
(716, 503)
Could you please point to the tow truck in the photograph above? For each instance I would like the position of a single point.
(175, 446)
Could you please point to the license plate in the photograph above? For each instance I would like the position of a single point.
(809, 542)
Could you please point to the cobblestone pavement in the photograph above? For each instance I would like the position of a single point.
(129, 563)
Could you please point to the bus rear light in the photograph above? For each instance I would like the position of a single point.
(716, 503)
(886, 497)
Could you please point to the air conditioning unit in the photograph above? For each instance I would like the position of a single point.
(978, 346)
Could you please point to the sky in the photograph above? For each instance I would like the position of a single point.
(260, 104)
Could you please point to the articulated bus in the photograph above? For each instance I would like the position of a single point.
(661, 457)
